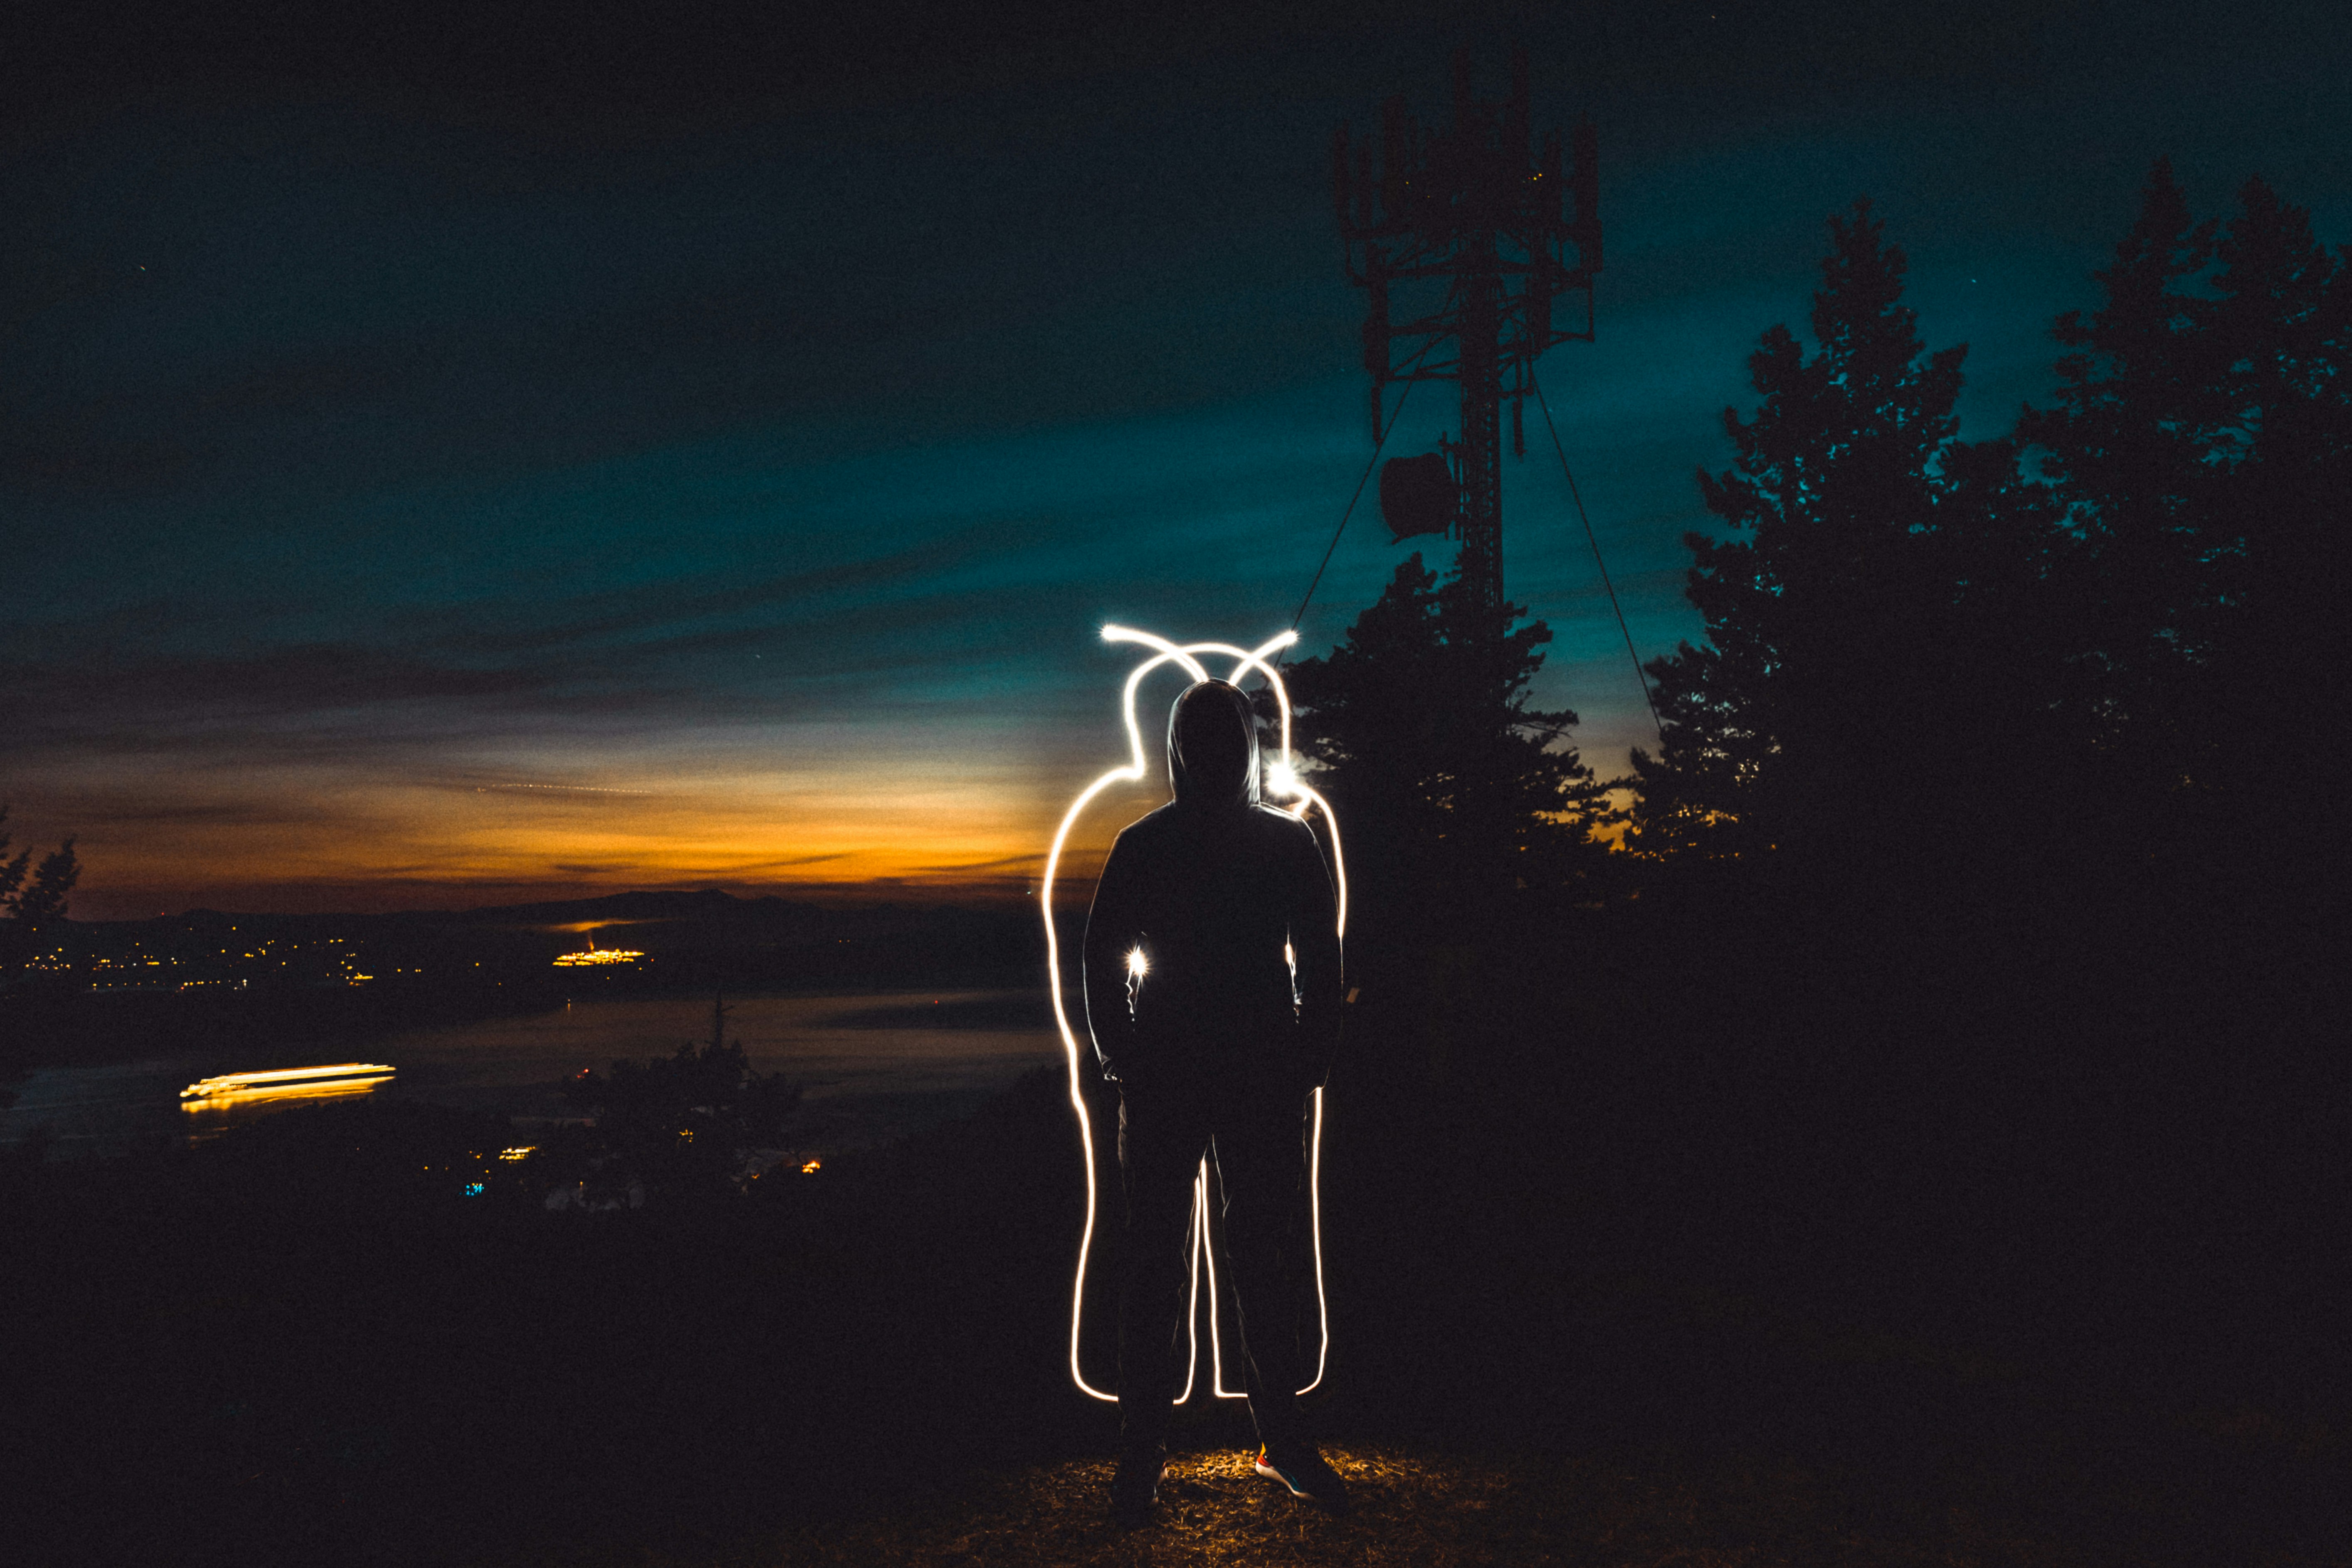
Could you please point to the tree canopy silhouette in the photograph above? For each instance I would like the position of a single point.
(1802, 715)
(33, 902)
(41, 900)
(2200, 441)
(676, 1127)
(2114, 633)
(1447, 780)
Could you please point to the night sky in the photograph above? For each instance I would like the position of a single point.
(448, 457)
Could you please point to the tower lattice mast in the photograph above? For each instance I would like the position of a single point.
(1468, 235)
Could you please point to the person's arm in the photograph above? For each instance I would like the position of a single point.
(1315, 948)
(1112, 928)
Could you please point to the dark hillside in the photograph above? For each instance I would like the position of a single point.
(1719, 1265)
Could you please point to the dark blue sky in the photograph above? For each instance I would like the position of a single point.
(445, 459)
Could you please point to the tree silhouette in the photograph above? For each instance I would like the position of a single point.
(1802, 716)
(676, 1126)
(2131, 446)
(2282, 560)
(30, 909)
(43, 900)
(1450, 785)
(1913, 645)
(36, 903)
(2200, 439)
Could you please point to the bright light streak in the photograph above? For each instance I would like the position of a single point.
(335, 1089)
(1136, 964)
(1200, 1233)
(1202, 1252)
(285, 1081)
(1283, 779)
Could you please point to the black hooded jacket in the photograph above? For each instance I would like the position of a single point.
(1209, 889)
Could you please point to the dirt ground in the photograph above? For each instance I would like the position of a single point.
(1409, 1510)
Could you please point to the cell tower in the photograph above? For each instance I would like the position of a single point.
(1466, 234)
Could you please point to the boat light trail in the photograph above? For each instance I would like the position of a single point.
(1281, 779)
(343, 1076)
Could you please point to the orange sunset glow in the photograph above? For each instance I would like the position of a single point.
(971, 822)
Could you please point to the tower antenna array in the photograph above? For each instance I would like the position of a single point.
(1472, 234)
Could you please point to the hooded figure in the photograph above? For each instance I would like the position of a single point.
(1212, 988)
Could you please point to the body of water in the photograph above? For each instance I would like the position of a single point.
(876, 1067)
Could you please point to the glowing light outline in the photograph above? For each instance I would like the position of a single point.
(1199, 1231)
(1217, 1388)
(1284, 778)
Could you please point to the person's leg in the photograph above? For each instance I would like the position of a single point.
(1262, 1170)
(1160, 1146)
(1262, 1156)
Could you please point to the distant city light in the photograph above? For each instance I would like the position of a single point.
(593, 955)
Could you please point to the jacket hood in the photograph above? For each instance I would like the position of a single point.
(1212, 747)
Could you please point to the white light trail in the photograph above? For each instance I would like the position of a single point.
(1282, 778)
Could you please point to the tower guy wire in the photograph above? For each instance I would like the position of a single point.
(1387, 428)
(1577, 496)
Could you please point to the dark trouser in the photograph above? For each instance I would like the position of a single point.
(1255, 1135)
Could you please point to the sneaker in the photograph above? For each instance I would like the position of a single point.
(1134, 1489)
(1305, 1473)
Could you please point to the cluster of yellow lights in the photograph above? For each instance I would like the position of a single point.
(594, 954)
(522, 1153)
(341, 1078)
(811, 1167)
(1283, 779)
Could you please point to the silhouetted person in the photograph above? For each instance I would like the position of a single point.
(1215, 1039)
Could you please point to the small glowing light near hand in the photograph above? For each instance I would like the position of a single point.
(1281, 779)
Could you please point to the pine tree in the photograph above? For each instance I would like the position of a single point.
(35, 903)
(1804, 716)
(2280, 568)
(2202, 442)
(1449, 786)
(11, 872)
(30, 906)
(2130, 446)
(43, 900)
